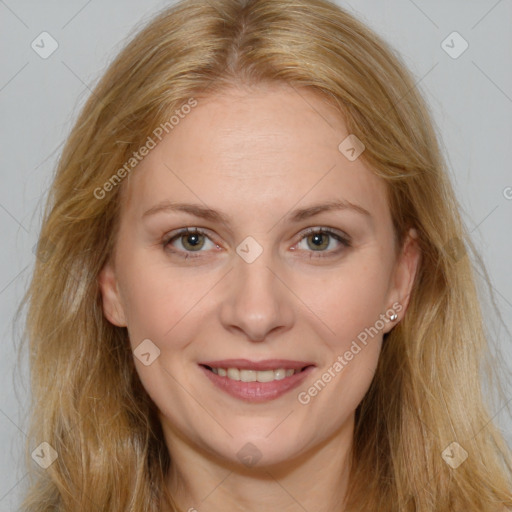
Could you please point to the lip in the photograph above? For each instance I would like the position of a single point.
(257, 392)
(266, 364)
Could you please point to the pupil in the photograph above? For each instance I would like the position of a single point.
(318, 240)
(193, 237)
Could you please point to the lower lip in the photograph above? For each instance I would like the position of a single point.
(257, 391)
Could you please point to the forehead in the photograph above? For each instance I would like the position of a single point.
(252, 150)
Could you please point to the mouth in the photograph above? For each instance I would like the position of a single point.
(248, 375)
(256, 381)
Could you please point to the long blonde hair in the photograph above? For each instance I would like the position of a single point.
(88, 402)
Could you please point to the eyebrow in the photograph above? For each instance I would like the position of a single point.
(295, 216)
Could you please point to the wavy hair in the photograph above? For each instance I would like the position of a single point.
(87, 400)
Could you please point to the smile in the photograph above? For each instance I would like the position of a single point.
(256, 381)
(253, 375)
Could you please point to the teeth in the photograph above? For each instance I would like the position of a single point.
(247, 375)
(233, 373)
(253, 375)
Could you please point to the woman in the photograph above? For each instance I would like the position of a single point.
(252, 290)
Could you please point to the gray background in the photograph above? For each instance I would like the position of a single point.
(470, 98)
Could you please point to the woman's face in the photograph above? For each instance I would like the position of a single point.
(255, 295)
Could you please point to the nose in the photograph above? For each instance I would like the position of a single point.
(256, 302)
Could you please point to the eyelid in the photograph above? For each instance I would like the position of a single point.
(183, 231)
(342, 237)
(325, 229)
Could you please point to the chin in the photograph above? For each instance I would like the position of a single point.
(257, 451)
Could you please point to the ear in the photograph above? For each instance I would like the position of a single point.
(404, 273)
(112, 304)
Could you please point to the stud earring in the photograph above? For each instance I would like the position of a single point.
(393, 317)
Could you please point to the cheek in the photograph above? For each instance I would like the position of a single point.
(349, 300)
(161, 300)
(147, 298)
(350, 303)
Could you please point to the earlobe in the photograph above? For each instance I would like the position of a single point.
(111, 300)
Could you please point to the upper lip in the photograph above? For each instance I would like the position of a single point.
(266, 364)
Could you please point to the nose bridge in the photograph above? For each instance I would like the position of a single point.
(256, 302)
(255, 283)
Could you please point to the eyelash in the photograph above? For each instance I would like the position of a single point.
(344, 241)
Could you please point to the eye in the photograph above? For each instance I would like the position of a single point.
(320, 239)
(192, 240)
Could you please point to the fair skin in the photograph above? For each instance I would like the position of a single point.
(256, 156)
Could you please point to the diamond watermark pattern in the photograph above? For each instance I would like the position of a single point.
(249, 249)
(455, 249)
(44, 45)
(454, 45)
(454, 455)
(146, 352)
(43, 249)
(351, 147)
(44, 455)
(249, 454)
